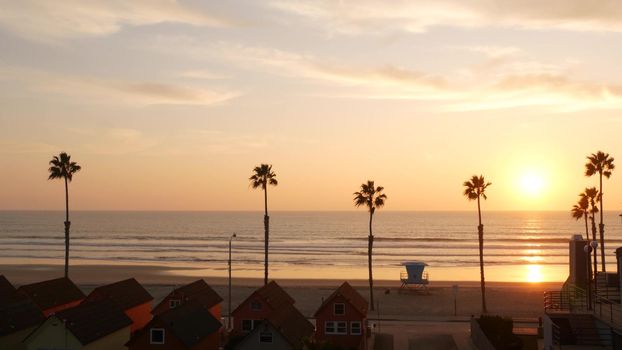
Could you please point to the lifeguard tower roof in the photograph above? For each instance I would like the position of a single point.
(414, 263)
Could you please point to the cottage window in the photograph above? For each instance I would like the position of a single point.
(339, 309)
(265, 337)
(173, 303)
(255, 306)
(249, 325)
(355, 328)
(336, 327)
(156, 336)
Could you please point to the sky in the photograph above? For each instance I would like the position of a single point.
(168, 105)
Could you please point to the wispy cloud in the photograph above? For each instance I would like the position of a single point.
(60, 19)
(376, 16)
(100, 90)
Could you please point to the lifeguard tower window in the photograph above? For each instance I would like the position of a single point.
(339, 309)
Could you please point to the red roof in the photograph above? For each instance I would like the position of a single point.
(18, 315)
(351, 295)
(124, 294)
(92, 321)
(272, 294)
(198, 291)
(292, 325)
(51, 293)
(6, 290)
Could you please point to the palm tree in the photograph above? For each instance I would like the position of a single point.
(591, 196)
(581, 210)
(602, 164)
(262, 177)
(475, 188)
(61, 167)
(373, 198)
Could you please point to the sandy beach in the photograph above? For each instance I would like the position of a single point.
(519, 300)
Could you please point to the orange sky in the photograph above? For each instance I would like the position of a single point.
(168, 105)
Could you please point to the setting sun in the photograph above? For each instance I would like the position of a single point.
(531, 184)
(534, 274)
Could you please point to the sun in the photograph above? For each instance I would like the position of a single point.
(534, 274)
(531, 184)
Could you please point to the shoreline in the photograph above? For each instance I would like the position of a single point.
(88, 274)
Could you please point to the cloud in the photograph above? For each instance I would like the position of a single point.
(59, 19)
(376, 16)
(100, 90)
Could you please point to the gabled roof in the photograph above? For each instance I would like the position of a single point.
(292, 325)
(6, 290)
(123, 294)
(351, 295)
(92, 321)
(48, 294)
(201, 292)
(18, 315)
(190, 322)
(273, 294)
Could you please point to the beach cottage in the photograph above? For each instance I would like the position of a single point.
(197, 291)
(53, 295)
(284, 329)
(342, 318)
(89, 326)
(258, 307)
(130, 297)
(189, 326)
(18, 318)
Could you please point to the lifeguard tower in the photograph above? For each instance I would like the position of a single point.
(414, 275)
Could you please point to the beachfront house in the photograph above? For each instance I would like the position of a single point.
(189, 326)
(284, 329)
(52, 296)
(258, 307)
(18, 318)
(197, 291)
(586, 313)
(130, 297)
(6, 289)
(342, 318)
(97, 325)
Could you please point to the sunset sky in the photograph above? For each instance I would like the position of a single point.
(169, 105)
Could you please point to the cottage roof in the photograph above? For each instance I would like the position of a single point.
(190, 322)
(93, 321)
(351, 295)
(6, 289)
(291, 324)
(17, 315)
(201, 292)
(50, 293)
(273, 294)
(124, 294)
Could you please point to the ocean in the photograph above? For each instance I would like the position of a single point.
(519, 246)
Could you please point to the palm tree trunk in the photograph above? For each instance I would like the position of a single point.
(266, 224)
(601, 227)
(67, 225)
(587, 231)
(370, 246)
(480, 230)
(595, 253)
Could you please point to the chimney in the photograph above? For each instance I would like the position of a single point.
(578, 261)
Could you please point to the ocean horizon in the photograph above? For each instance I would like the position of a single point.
(519, 245)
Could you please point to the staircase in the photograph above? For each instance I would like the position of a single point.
(608, 286)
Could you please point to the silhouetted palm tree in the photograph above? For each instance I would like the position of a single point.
(373, 198)
(475, 188)
(591, 196)
(262, 177)
(61, 167)
(600, 163)
(580, 211)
